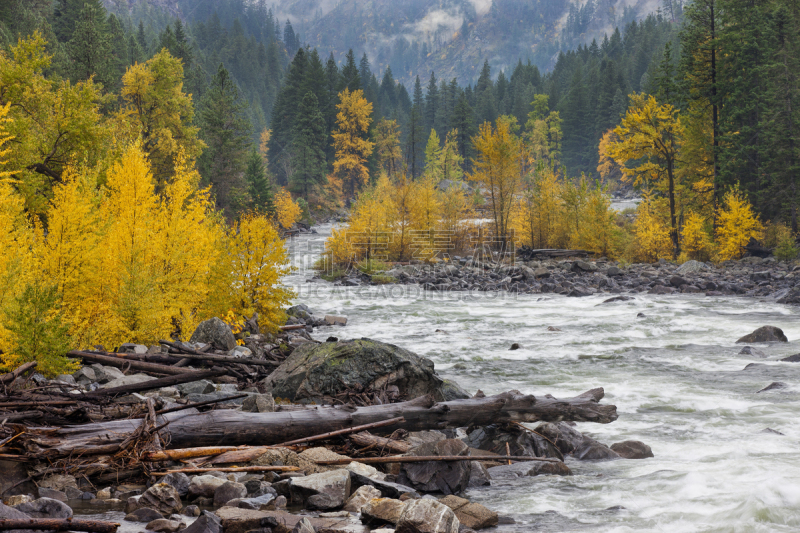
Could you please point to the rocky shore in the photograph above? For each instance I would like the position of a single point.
(751, 277)
(393, 480)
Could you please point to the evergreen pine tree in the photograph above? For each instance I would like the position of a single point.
(414, 150)
(308, 147)
(350, 77)
(289, 39)
(90, 46)
(226, 132)
(431, 103)
(258, 183)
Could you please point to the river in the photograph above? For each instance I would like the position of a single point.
(674, 374)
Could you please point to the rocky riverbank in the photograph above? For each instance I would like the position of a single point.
(432, 442)
(751, 276)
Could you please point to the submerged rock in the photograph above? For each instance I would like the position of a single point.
(792, 359)
(632, 449)
(527, 469)
(749, 350)
(764, 334)
(318, 372)
(775, 385)
(448, 477)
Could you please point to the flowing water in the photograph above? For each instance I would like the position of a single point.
(675, 375)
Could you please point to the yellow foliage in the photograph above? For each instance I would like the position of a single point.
(287, 211)
(497, 169)
(651, 232)
(598, 231)
(351, 141)
(388, 146)
(539, 221)
(737, 224)
(695, 238)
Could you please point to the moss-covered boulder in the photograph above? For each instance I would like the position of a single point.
(319, 372)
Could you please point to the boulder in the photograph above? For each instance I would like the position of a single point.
(229, 491)
(529, 469)
(677, 281)
(206, 523)
(427, 516)
(365, 470)
(791, 297)
(471, 515)
(749, 350)
(360, 497)
(216, 332)
(387, 489)
(300, 311)
(258, 403)
(775, 385)
(196, 387)
(541, 273)
(584, 266)
(380, 511)
(129, 347)
(45, 508)
(54, 494)
(133, 379)
(614, 271)
(204, 486)
(447, 477)
(479, 475)
(317, 372)
(256, 488)
(691, 267)
(257, 502)
(618, 299)
(632, 449)
(493, 438)
(191, 511)
(163, 525)
(792, 359)
(333, 320)
(327, 490)
(661, 289)
(163, 498)
(179, 481)
(144, 515)
(764, 334)
(303, 526)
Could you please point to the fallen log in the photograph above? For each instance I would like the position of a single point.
(240, 469)
(347, 431)
(22, 415)
(194, 354)
(293, 327)
(233, 428)
(428, 458)
(184, 377)
(368, 439)
(126, 362)
(58, 524)
(11, 376)
(200, 404)
(191, 453)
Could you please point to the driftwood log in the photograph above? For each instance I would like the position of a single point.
(58, 524)
(234, 428)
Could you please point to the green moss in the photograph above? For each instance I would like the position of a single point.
(381, 279)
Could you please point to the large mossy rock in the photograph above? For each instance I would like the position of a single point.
(318, 372)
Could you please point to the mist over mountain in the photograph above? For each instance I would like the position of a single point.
(449, 37)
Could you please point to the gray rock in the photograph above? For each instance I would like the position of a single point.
(303, 526)
(388, 489)
(229, 491)
(471, 515)
(69, 379)
(85, 375)
(204, 486)
(584, 266)
(749, 350)
(259, 403)
(775, 385)
(163, 525)
(257, 488)
(379, 511)
(316, 372)
(792, 359)
(677, 281)
(240, 352)
(143, 515)
(179, 481)
(327, 490)
(300, 311)
(691, 267)
(573, 442)
(258, 502)
(764, 334)
(196, 387)
(45, 508)
(44, 492)
(427, 516)
(206, 523)
(161, 497)
(215, 331)
(129, 347)
(632, 449)
(360, 497)
(449, 477)
(127, 380)
(492, 438)
(333, 320)
(614, 271)
(529, 469)
(479, 475)
(541, 273)
(191, 510)
(216, 395)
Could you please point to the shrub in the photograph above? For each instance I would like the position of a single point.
(36, 331)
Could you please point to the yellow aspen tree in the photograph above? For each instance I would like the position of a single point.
(401, 196)
(287, 211)
(425, 212)
(599, 232)
(160, 113)
(736, 225)
(351, 141)
(450, 159)
(496, 168)
(253, 264)
(606, 166)
(649, 137)
(696, 242)
(433, 151)
(651, 233)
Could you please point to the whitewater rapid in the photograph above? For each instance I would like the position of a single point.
(675, 375)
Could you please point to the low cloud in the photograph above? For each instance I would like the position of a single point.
(481, 6)
(436, 20)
